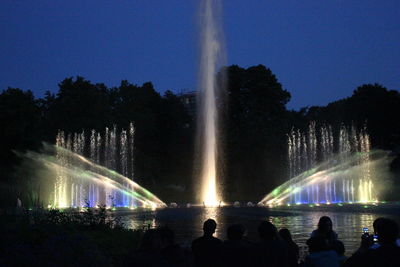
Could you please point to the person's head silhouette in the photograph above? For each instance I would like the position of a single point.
(267, 231)
(325, 224)
(209, 227)
(387, 230)
(376, 224)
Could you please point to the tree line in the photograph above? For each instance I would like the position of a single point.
(254, 123)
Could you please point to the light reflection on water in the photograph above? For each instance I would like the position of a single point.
(187, 223)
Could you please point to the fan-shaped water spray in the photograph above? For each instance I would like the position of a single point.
(81, 182)
(358, 190)
(344, 176)
(94, 171)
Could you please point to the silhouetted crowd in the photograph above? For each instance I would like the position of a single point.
(275, 248)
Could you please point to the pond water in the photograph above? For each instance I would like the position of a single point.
(187, 222)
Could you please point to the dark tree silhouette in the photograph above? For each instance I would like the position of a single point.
(79, 105)
(370, 104)
(20, 126)
(255, 129)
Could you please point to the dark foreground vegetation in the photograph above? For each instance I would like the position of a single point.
(254, 123)
(65, 238)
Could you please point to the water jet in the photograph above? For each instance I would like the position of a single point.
(211, 58)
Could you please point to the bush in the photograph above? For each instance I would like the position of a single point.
(93, 237)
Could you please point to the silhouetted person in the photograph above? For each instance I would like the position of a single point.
(271, 250)
(149, 252)
(151, 241)
(367, 243)
(387, 253)
(321, 254)
(171, 251)
(325, 230)
(236, 250)
(206, 249)
(376, 226)
(292, 246)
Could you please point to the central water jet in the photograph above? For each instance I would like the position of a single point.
(211, 59)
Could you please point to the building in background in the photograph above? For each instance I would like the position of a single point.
(189, 101)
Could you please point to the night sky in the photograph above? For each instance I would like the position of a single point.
(319, 50)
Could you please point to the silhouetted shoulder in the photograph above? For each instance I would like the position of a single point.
(327, 258)
(206, 241)
(236, 253)
(271, 253)
(206, 250)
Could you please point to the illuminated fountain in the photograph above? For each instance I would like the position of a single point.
(100, 178)
(344, 176)
(212, 56)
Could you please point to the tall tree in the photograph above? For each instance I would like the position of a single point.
(20, 121)
(255, 130)
(79, 105)
(370, 104)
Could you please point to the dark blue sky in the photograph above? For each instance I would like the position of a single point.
(319, 50)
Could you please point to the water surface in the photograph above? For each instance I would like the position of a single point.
(187, 222)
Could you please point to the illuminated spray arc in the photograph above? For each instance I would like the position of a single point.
(342, 177)
(212, 58)
(82, 181)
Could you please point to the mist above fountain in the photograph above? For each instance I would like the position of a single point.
(319, 175)
(212, 57)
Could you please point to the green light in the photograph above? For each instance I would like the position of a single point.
(275, 192)
(340, 204)
(147, 192)
(113, 208)
(365, 207)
